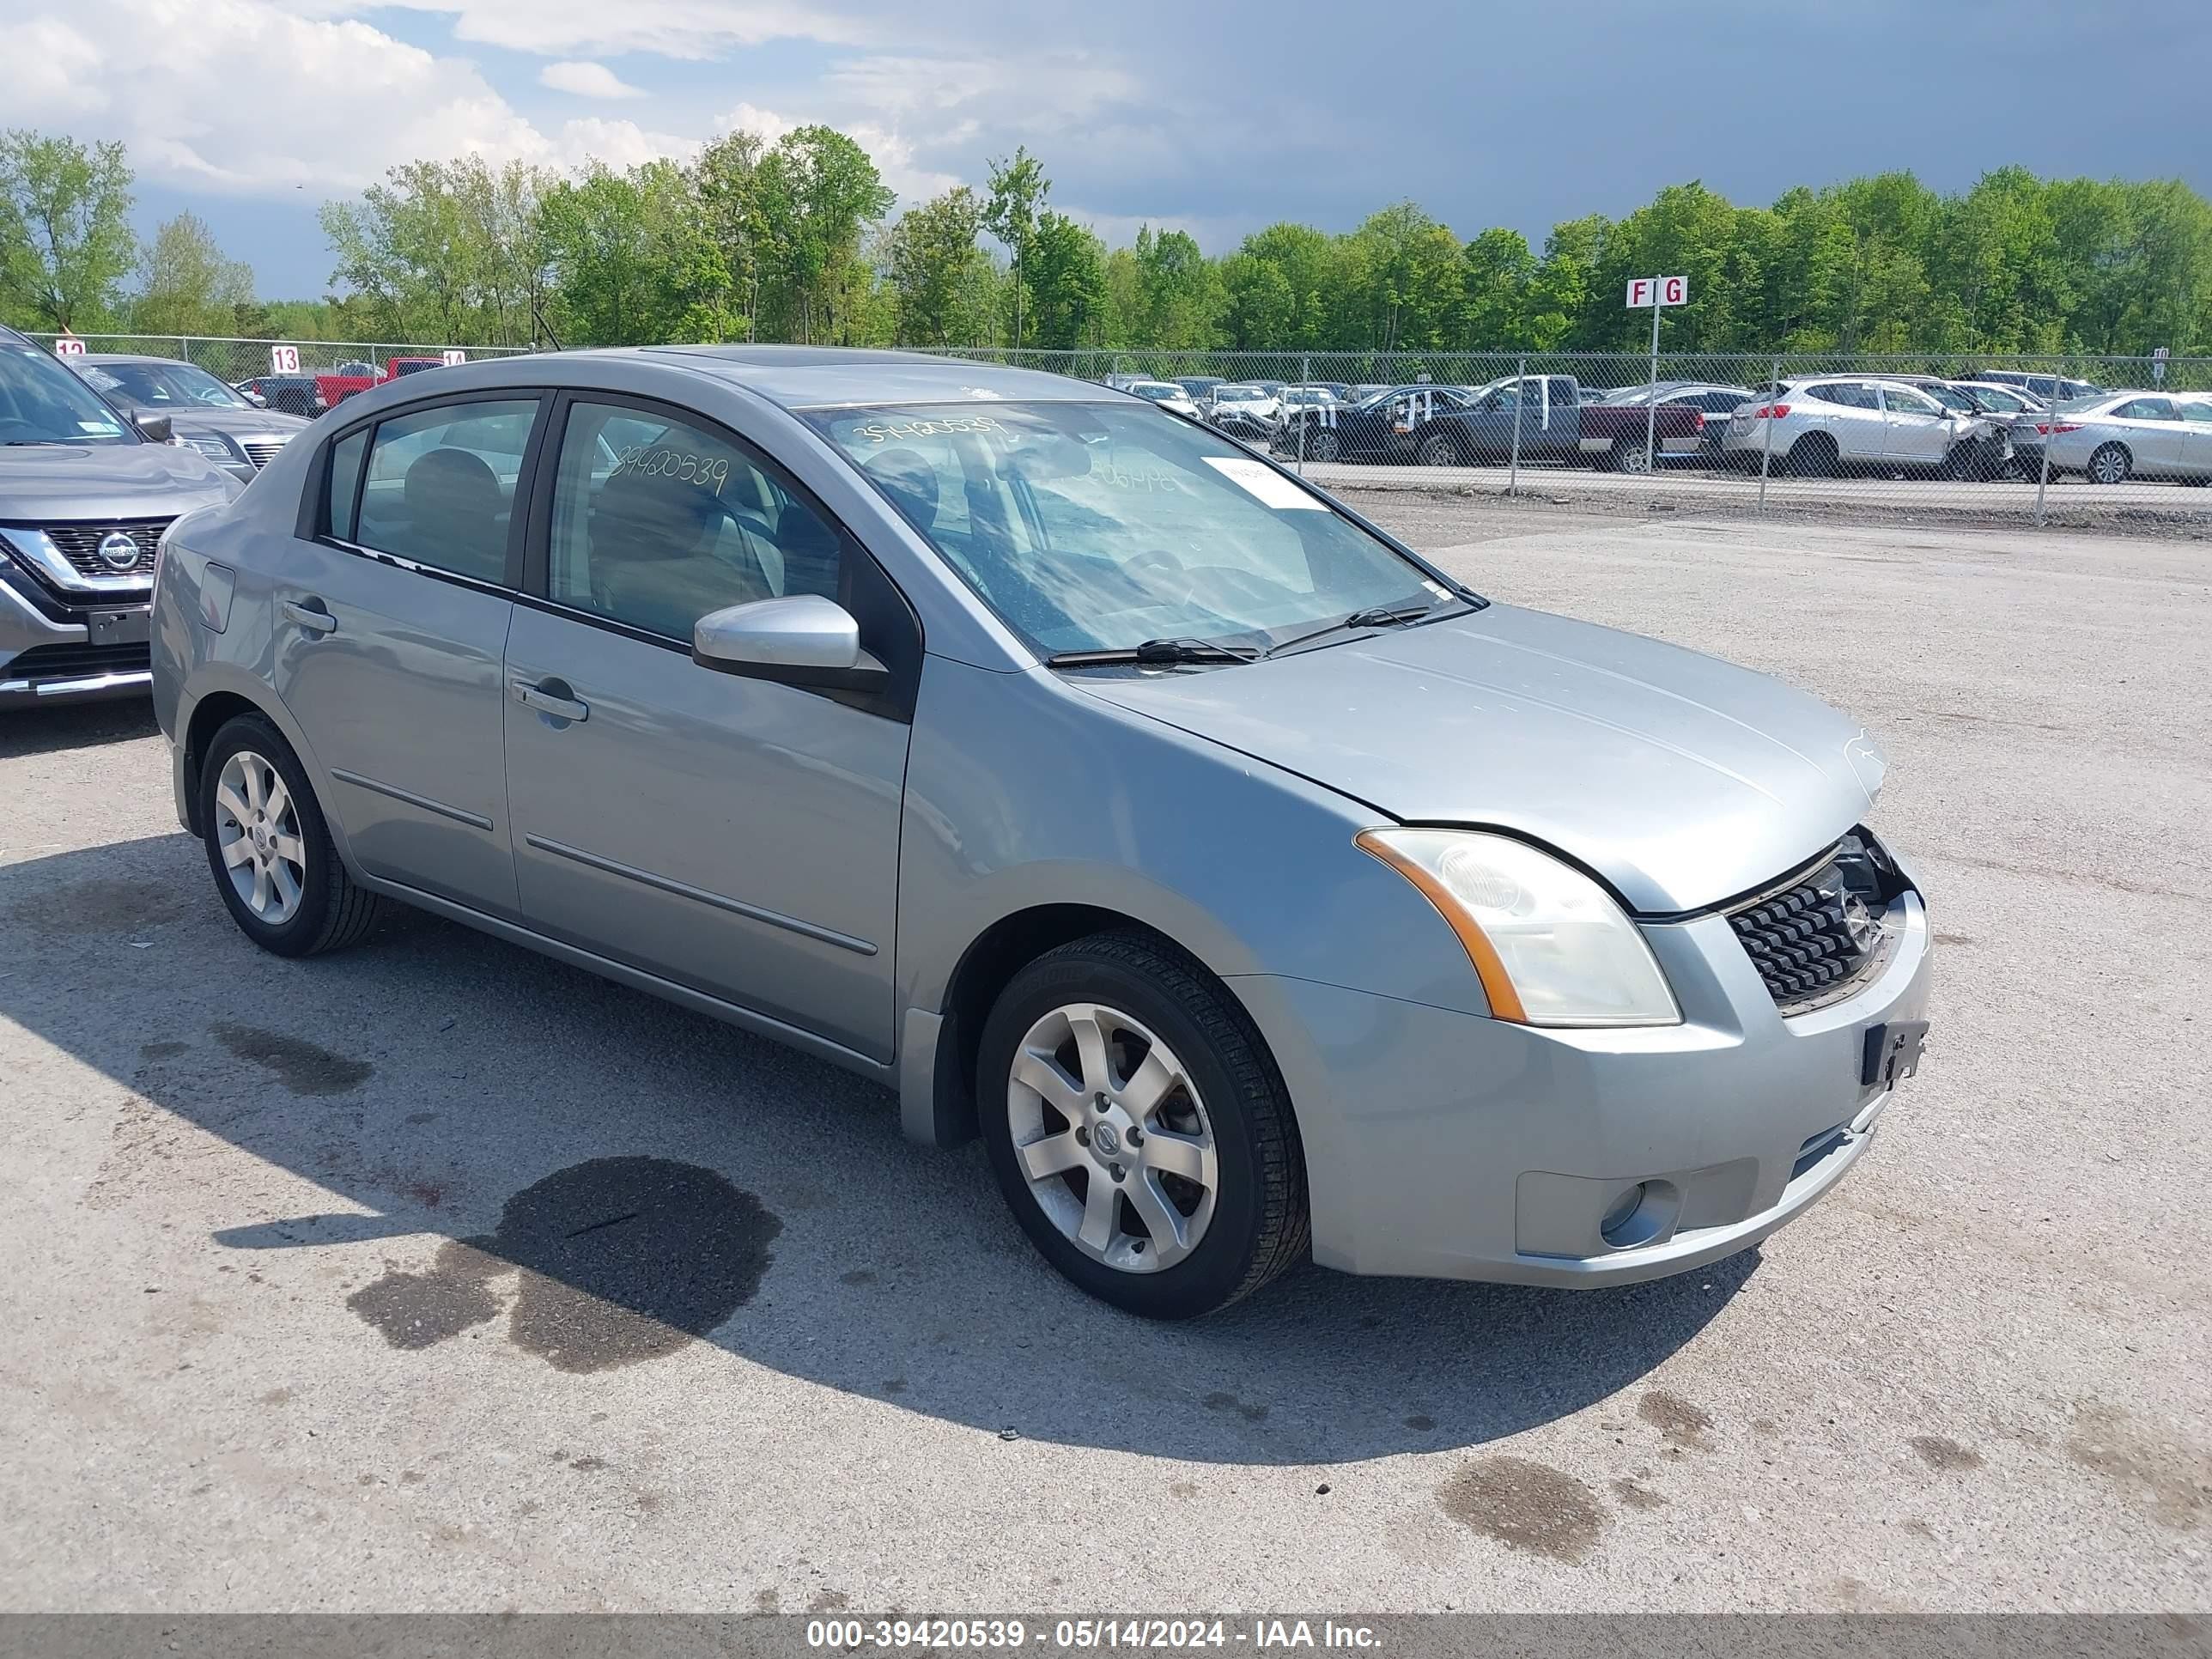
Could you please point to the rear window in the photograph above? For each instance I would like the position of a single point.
(440, 482)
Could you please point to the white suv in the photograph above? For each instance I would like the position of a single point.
(1818, 427)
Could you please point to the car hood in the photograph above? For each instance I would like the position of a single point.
(1680, 779)
(40, 482)
(236, 422)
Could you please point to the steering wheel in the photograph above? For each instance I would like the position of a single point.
(1160, 559)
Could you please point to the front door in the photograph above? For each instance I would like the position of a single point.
(2195, 439)
(732, 835)
(390, 628)
(1920, 433)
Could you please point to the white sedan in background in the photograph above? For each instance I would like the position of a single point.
(2117, 436)
(1166, 393)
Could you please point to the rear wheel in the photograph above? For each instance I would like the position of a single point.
(1138, 1129)
(2110, 464)
(1437, 450)
(1629, 455)
(1813, 456)
(275, 866)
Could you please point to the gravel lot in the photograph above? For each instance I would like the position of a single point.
(263, 1343)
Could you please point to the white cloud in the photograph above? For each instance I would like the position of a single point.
(670, 28)
(587, 80)
(620, 145)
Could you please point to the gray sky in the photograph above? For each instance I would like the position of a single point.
(1215, 118)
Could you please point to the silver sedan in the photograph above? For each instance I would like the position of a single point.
(2118, 435)
(1252, 889)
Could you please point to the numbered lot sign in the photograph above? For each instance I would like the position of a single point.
(283, 359)
(453, 355)
(68, 346)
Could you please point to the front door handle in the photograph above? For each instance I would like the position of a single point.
(550, 697)
(312, 617)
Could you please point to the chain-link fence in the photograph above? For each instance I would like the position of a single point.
(300, 377)
(2096, 443)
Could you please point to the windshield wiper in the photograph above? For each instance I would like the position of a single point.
(1156, 651)
(1377, 615)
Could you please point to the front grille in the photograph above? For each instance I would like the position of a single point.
(261, 452)
(1813, 941)
(76, 662)
(80, 544)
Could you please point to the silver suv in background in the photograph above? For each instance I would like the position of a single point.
(85, 495)
(1825, 424)
(223, 425)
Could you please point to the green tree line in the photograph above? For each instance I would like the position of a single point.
(797, 240)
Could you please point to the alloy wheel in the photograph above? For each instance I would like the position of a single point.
(257, 832)
(1112, 1137)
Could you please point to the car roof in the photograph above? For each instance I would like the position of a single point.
(131, 357)
(812, 377)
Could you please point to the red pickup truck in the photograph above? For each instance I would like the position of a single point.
(335, 389)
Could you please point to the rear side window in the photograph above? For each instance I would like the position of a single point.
(1850, 396)
(2147, 408)
(345, 483)
(440, 482)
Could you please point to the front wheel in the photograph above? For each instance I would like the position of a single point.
(1437, 450)
(1322, 445)
(275, 866)
(1138, 1129)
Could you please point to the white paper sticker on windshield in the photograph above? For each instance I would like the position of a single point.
(1262, 481)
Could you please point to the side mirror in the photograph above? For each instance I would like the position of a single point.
(804, 639)
(154, 427)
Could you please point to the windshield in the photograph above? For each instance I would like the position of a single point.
(1157, 390)
(164, 386)
(1239, 394)
(43, 403)
(1098, 527)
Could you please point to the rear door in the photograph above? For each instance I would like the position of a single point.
(391, 627)
(732, 835)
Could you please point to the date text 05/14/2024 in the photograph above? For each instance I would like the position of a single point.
(1258, 1635)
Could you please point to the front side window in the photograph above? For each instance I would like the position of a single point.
(658, 521)
(1100, 527)
(440, 488)
(1903, 400)
(41, 401)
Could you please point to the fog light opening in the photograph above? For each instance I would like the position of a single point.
(1640, 1215)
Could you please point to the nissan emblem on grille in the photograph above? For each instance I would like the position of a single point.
(1809, 940)
(117, 551)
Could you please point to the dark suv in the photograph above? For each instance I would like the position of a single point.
(85, 494)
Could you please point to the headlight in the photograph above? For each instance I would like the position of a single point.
(1550, 946)
(213, 448)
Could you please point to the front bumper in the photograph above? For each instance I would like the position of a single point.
(48, 653)
(1449, 1146)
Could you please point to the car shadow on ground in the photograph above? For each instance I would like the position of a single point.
(601, 1179)
(75, 725)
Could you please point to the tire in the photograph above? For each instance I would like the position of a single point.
(1322, 445)
(1629, 455)
(1148, 1000)
(329, 909)
(2110, 464)
(1813, 455)
(1438, 450)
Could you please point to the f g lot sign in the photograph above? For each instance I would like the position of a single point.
(1656, 291)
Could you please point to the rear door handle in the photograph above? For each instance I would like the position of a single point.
(310, 616)
(551, 698)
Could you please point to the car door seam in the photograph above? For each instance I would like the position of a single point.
(703, 896)
(375, 786)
